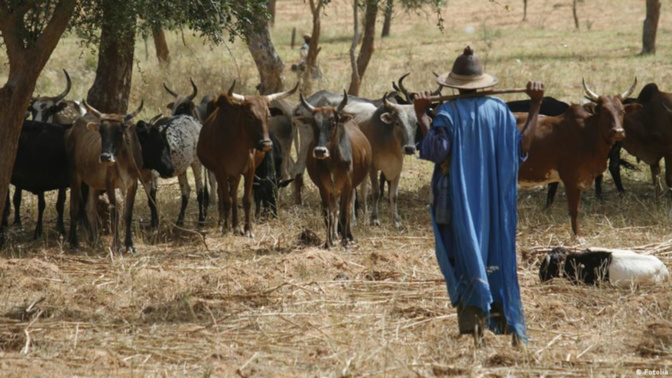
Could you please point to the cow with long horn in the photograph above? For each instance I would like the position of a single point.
(232, 143)
(573, 147)
(104, 153)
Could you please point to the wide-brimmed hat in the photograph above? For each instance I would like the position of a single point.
(467, 73)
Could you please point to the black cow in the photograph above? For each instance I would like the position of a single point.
(40, 166)
(268, 179)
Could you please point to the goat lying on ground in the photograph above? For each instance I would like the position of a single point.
(596, 265)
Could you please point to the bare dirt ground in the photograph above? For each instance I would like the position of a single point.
(198, 303)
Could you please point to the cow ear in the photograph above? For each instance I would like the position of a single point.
(344, 117)
(387, 118)
(92, 126)
(170, 106)
(633, 107)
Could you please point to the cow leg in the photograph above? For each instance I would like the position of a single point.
(151, 201)
(212, 196)
(615, 166)
(598, 186)
(550, 196)
(129, 200)
(655, 177)
(60, 207)
(375, 186)
(668, 173)
(224, 201)
(394, 194)
(3, 222)
(297, 185)
(345, 216)
(17, 205)
(91, 210)
(114, 214)
(233, 193)
(573, 201)
(200, 192)
(185, 190)
(40, 213)
(75, 204)
(247, 201)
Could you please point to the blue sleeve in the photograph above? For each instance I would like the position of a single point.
(435, 146)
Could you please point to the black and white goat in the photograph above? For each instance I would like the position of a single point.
(597, 265)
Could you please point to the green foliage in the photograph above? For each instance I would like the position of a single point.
(211, 19)
(35, 19)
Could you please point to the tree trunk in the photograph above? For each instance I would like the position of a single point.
(112, 86)
(524, 10)
(26, 61)
(269, 64)
(650, 27)
(271, 10)
(162, 52)
(387, 22)
(576, 17)
(313, 48)
(367, 48)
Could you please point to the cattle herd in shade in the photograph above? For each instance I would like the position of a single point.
(343, 141)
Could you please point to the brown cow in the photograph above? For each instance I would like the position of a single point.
(339, 162)
(391, 131)
(573, 147)
(229, 146)
(104, 153)
(649, 133)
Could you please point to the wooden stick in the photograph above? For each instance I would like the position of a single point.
(476, 94)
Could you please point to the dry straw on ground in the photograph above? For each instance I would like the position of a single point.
(278, 305)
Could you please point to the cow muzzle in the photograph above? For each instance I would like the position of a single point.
(320, 153)
(409, 150)
(617, 134)
(107, 159)
(265, 145)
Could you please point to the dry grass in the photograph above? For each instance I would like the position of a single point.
(278, 306)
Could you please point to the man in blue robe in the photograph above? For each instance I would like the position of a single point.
(477, 148)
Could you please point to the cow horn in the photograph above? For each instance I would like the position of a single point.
(169, 91)
(61, 96)
(156, 118)
(134, 113)
(341, 106)
(590, 94)
(305, 103)
(401, 85)
(387, 103)
(281, 95)
(235, 95)
(666, 107)
(91, 109)
(193, 95)
(627, 93)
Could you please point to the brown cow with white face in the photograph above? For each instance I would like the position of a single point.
(104, 153)
(573, 147)
(339, 159)
(232, 143)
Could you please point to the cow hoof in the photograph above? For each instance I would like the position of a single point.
(375, 222)
(397, 224)
(249, 234)
(131, 250)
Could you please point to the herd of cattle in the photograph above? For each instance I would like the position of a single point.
(339, 139)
